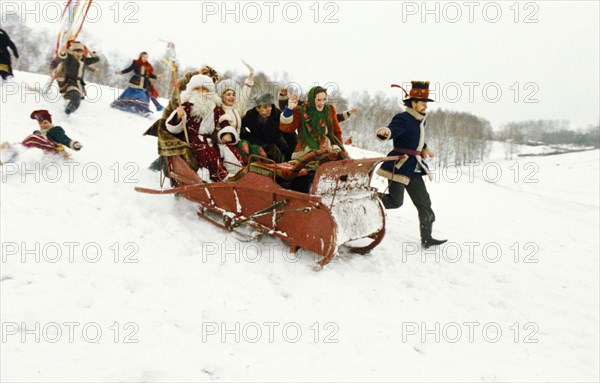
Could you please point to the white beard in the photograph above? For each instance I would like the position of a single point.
(203, 103)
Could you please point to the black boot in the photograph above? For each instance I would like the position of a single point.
(427, 243)
(156, 165)
(426, 239)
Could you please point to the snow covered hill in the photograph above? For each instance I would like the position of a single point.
(100, 283)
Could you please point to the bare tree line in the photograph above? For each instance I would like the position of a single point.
(546, 132)
(457, 137)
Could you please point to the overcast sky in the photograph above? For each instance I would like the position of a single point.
(504, 60)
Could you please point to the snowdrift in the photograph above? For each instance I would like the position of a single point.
(100, 283)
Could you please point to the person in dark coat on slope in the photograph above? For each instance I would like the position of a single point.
(5, 59)
(74, 63)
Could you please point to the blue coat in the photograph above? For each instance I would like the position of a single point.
(405, 133)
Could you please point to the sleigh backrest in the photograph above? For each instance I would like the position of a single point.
(345, 175)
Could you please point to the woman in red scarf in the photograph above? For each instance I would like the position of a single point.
(136, 97)
(316, 123)
(319, 134)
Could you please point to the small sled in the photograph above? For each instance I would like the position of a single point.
(342, 209)
(10, 153)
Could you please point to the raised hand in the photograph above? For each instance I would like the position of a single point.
(293, 101)
(250, 69)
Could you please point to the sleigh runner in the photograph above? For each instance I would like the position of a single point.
(342, 209)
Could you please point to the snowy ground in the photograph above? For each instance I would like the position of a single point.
(100, 283)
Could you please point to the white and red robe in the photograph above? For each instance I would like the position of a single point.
(205, 138)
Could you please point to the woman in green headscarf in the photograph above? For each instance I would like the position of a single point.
(317, 126)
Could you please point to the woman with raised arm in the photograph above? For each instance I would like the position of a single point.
(319, 132)
(235, 98)
(136, 98)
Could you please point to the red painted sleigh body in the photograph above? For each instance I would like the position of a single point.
(341, 209)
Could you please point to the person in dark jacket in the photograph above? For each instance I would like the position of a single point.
(49, 138)
(55, 66)
(260, 126)
(74, 63)
(5, 59)
(407, 130)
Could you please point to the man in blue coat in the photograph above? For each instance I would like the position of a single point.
(407, 130)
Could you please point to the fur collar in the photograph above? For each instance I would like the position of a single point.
(417, 116)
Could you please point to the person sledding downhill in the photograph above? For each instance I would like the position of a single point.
(170, 144)
(407, 130)
(316, 124)
(136, 98)
(318, 219)
(203, 124)
(261, 127)
(49, 138)
(74, 63)
(234, 99)
(319, 133)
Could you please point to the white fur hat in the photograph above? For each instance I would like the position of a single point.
(201, 80)
(226, 85)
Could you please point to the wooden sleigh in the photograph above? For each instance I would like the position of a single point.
(341, 209)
